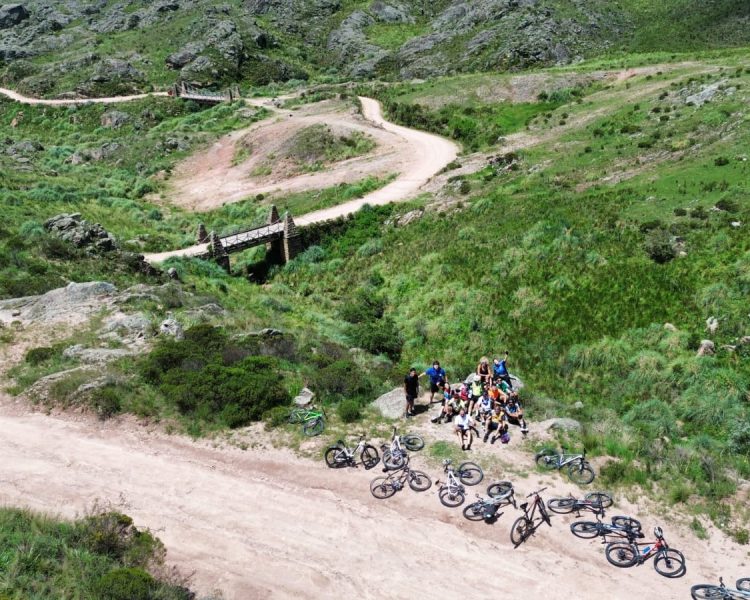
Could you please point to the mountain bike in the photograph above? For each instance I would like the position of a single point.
(620, 526)
(385, 487)
(667, 562)
(487, 509)
(594, 501)
(579, 469)
(395, 456)
(452, 493)
(525, 526)
(341, 455)
(313, 420)
(706, 591)
(722, 592)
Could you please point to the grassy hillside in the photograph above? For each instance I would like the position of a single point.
(107, 48)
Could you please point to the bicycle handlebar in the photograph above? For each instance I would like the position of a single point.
(536, 493)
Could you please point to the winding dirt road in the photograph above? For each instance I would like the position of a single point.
(70, 101)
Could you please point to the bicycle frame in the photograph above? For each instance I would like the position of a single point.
(566, 459)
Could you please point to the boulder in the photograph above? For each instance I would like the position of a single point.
(304, 398)
(670, 327)
(128, 326)
(76, 230)
(389, 13)
(561, 424)
(707, 348)
(712, 324)
(93, 356)
(184, 56)
(114, 119)
(706, 93)
(12, 14)
(393, 404)
(172, 274)
(171, 327)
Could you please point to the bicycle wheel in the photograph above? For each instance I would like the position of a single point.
(314, 426)
(621, 554)
(395, 461)
(475, 511)
(707, 591)
(501, 489)
(382, 488)
(600, 498)
(451, 499)
(630, 523)
(585, 529)
(561, 506)
(412, 442)
(369, 456)
(336, 457)
(295, 415)
(743, 584)
(419, 481)
(670, 563)
(521, 530)
(470, 473)
(547, 460)
(581, 473)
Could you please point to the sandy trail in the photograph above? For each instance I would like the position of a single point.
(67, 102)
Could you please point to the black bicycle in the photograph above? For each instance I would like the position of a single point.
(526, 525)
(596, 502)
(619, 526)
(502, 495)
(385, 487)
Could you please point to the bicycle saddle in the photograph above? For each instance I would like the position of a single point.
(523, 506)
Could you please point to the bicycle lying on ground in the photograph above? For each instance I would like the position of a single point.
(620, 526)
(452, 493)
(395, 456)
(525, 525)
(667, 562)
(501, 494)
(341, 455)
(313, 421)
(385, 487)
(579, 469)
(594, 501)
(706, 591)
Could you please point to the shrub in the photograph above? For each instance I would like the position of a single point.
(699, 213)
(727, 205)
(658, 245)
(36, 356)
(721, 161)
(106, 401)
(349, 411)
(276, 417)
(741, 536)
(379, 337)
(125, 584)
(342, 378)
(680, 212)
(465, 187)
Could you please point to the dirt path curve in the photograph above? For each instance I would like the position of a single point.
(420, 156)
(67, 102)
(265, 524)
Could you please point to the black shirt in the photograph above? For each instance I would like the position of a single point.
(412, 385)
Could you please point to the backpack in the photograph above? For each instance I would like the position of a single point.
(505, 438)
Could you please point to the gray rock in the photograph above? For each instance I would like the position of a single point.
(172, 273)
(74, 302)
(94, 356)
(561, 424)
(745, 339)
(184, 56)
(171, 327)
(12, 14)
(114, 119)
(670, 327)
(712, 324)
(707, 348)
(705, 94)
(74, 229)
(389, 13)
(578, 405)
(131, 326)
(393, 404)
(304, 398)
(113, 69)
(24, 147)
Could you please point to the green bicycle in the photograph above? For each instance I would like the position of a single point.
(313, 420)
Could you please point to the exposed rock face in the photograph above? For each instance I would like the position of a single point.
(561, 424)
(171, 327)
(304, 398)
(393, 404)
(75, 229)
(114, 119)
(12, 14)
(707, 348)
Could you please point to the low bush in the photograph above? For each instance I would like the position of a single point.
(658, 245)
(37, 356)
(125, 584)
(349, 411)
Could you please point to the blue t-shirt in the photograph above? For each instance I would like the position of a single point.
(436, 375)
(500, 369)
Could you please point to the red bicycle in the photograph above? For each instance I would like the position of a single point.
(528, 524)
(667, 562)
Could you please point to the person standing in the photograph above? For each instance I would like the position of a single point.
(438, 380)
(411, 389)
(500, 370)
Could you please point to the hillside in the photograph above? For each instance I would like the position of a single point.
(99, 48)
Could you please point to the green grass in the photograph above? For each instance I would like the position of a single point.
(304, 202)
(392, 36)
(98, 556)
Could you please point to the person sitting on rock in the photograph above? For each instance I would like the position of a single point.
(463, 425)
(484, 407)
(514, 412)
(483, 370)
(500, 370)
(497, 423)
(449, 408)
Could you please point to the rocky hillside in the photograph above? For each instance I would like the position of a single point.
(99, 47)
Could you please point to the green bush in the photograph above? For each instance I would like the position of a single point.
(276, 417)
(349, 411)
(658, 245)
(341, 379)
(125, 584)
(381, 336)
(106, 401)
(36, 356)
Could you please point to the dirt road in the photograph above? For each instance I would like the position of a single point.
(265, 524)
(67, 102)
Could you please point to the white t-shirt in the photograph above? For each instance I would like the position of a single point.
(462, 422)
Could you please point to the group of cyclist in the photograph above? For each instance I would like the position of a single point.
(486, 399)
